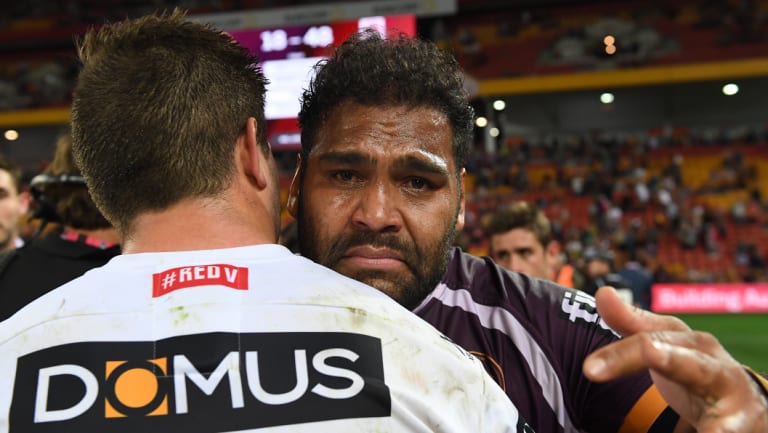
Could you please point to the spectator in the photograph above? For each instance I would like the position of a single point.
(639, 278)
(83, 240)
(14, 203)
(520, 239)
(599, 271)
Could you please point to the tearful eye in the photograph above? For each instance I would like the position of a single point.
(418, 183)
(344, 175)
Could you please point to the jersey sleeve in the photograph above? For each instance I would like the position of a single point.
(574, 329)
(567, 324)
(762, 382)
(533, 337)
(650, 414)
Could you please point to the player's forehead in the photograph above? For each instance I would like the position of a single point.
(386, 133)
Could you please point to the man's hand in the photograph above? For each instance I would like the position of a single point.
(691, 369)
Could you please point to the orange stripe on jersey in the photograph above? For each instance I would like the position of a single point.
(492, 367)
(644, 413)
(761, 381)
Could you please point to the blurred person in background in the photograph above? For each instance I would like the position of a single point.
(599, 271)
(14, 203)
(82, 238)
(520, 239)
(631, 267)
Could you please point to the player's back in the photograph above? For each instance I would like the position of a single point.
(240, 339)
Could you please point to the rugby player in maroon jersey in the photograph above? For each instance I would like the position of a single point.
(379, 196)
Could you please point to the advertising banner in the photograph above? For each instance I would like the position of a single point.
(710, 298)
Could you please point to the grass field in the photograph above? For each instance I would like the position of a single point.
(745, 336)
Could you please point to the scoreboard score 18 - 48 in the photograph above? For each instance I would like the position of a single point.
(287, 56)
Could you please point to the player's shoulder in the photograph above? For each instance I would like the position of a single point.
(40, 310)
(534, 303)
(487, 280)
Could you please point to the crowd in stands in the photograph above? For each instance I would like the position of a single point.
(571, 38)
(37, 66)
(37, 59)
(687, 210)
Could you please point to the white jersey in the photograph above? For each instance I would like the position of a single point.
(243, 339)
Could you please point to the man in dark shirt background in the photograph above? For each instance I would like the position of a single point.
(82, 239)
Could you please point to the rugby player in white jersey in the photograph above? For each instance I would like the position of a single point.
(204, 324)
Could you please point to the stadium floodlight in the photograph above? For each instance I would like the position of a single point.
(730, 89)
(11, 135)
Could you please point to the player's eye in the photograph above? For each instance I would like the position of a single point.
(418, 184)
(343, 175)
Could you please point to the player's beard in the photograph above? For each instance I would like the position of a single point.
(426, 263)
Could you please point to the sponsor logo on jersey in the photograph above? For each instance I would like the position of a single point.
(200, 383)
(185, 277)
(580, 308)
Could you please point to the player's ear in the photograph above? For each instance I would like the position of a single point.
(252, 158)
(292, 204)
(553, 249)
(25, 199)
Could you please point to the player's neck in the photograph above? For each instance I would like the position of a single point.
(198, 224)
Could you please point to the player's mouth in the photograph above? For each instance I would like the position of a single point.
(367, 257)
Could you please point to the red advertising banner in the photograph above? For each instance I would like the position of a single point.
(710, 298)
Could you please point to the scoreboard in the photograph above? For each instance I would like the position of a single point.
(288, 55)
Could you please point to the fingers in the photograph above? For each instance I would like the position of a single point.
(627, 320)
(694, 361)
(663, 351)
(691, 370)
(707, 387)
(694, 373)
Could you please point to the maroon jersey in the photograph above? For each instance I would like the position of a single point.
(533, 336)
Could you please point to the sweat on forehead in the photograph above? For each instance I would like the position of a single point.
(419, 132)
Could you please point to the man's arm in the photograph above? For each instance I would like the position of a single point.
(695, 374)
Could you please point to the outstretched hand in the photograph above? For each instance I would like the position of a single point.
(694, 373)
